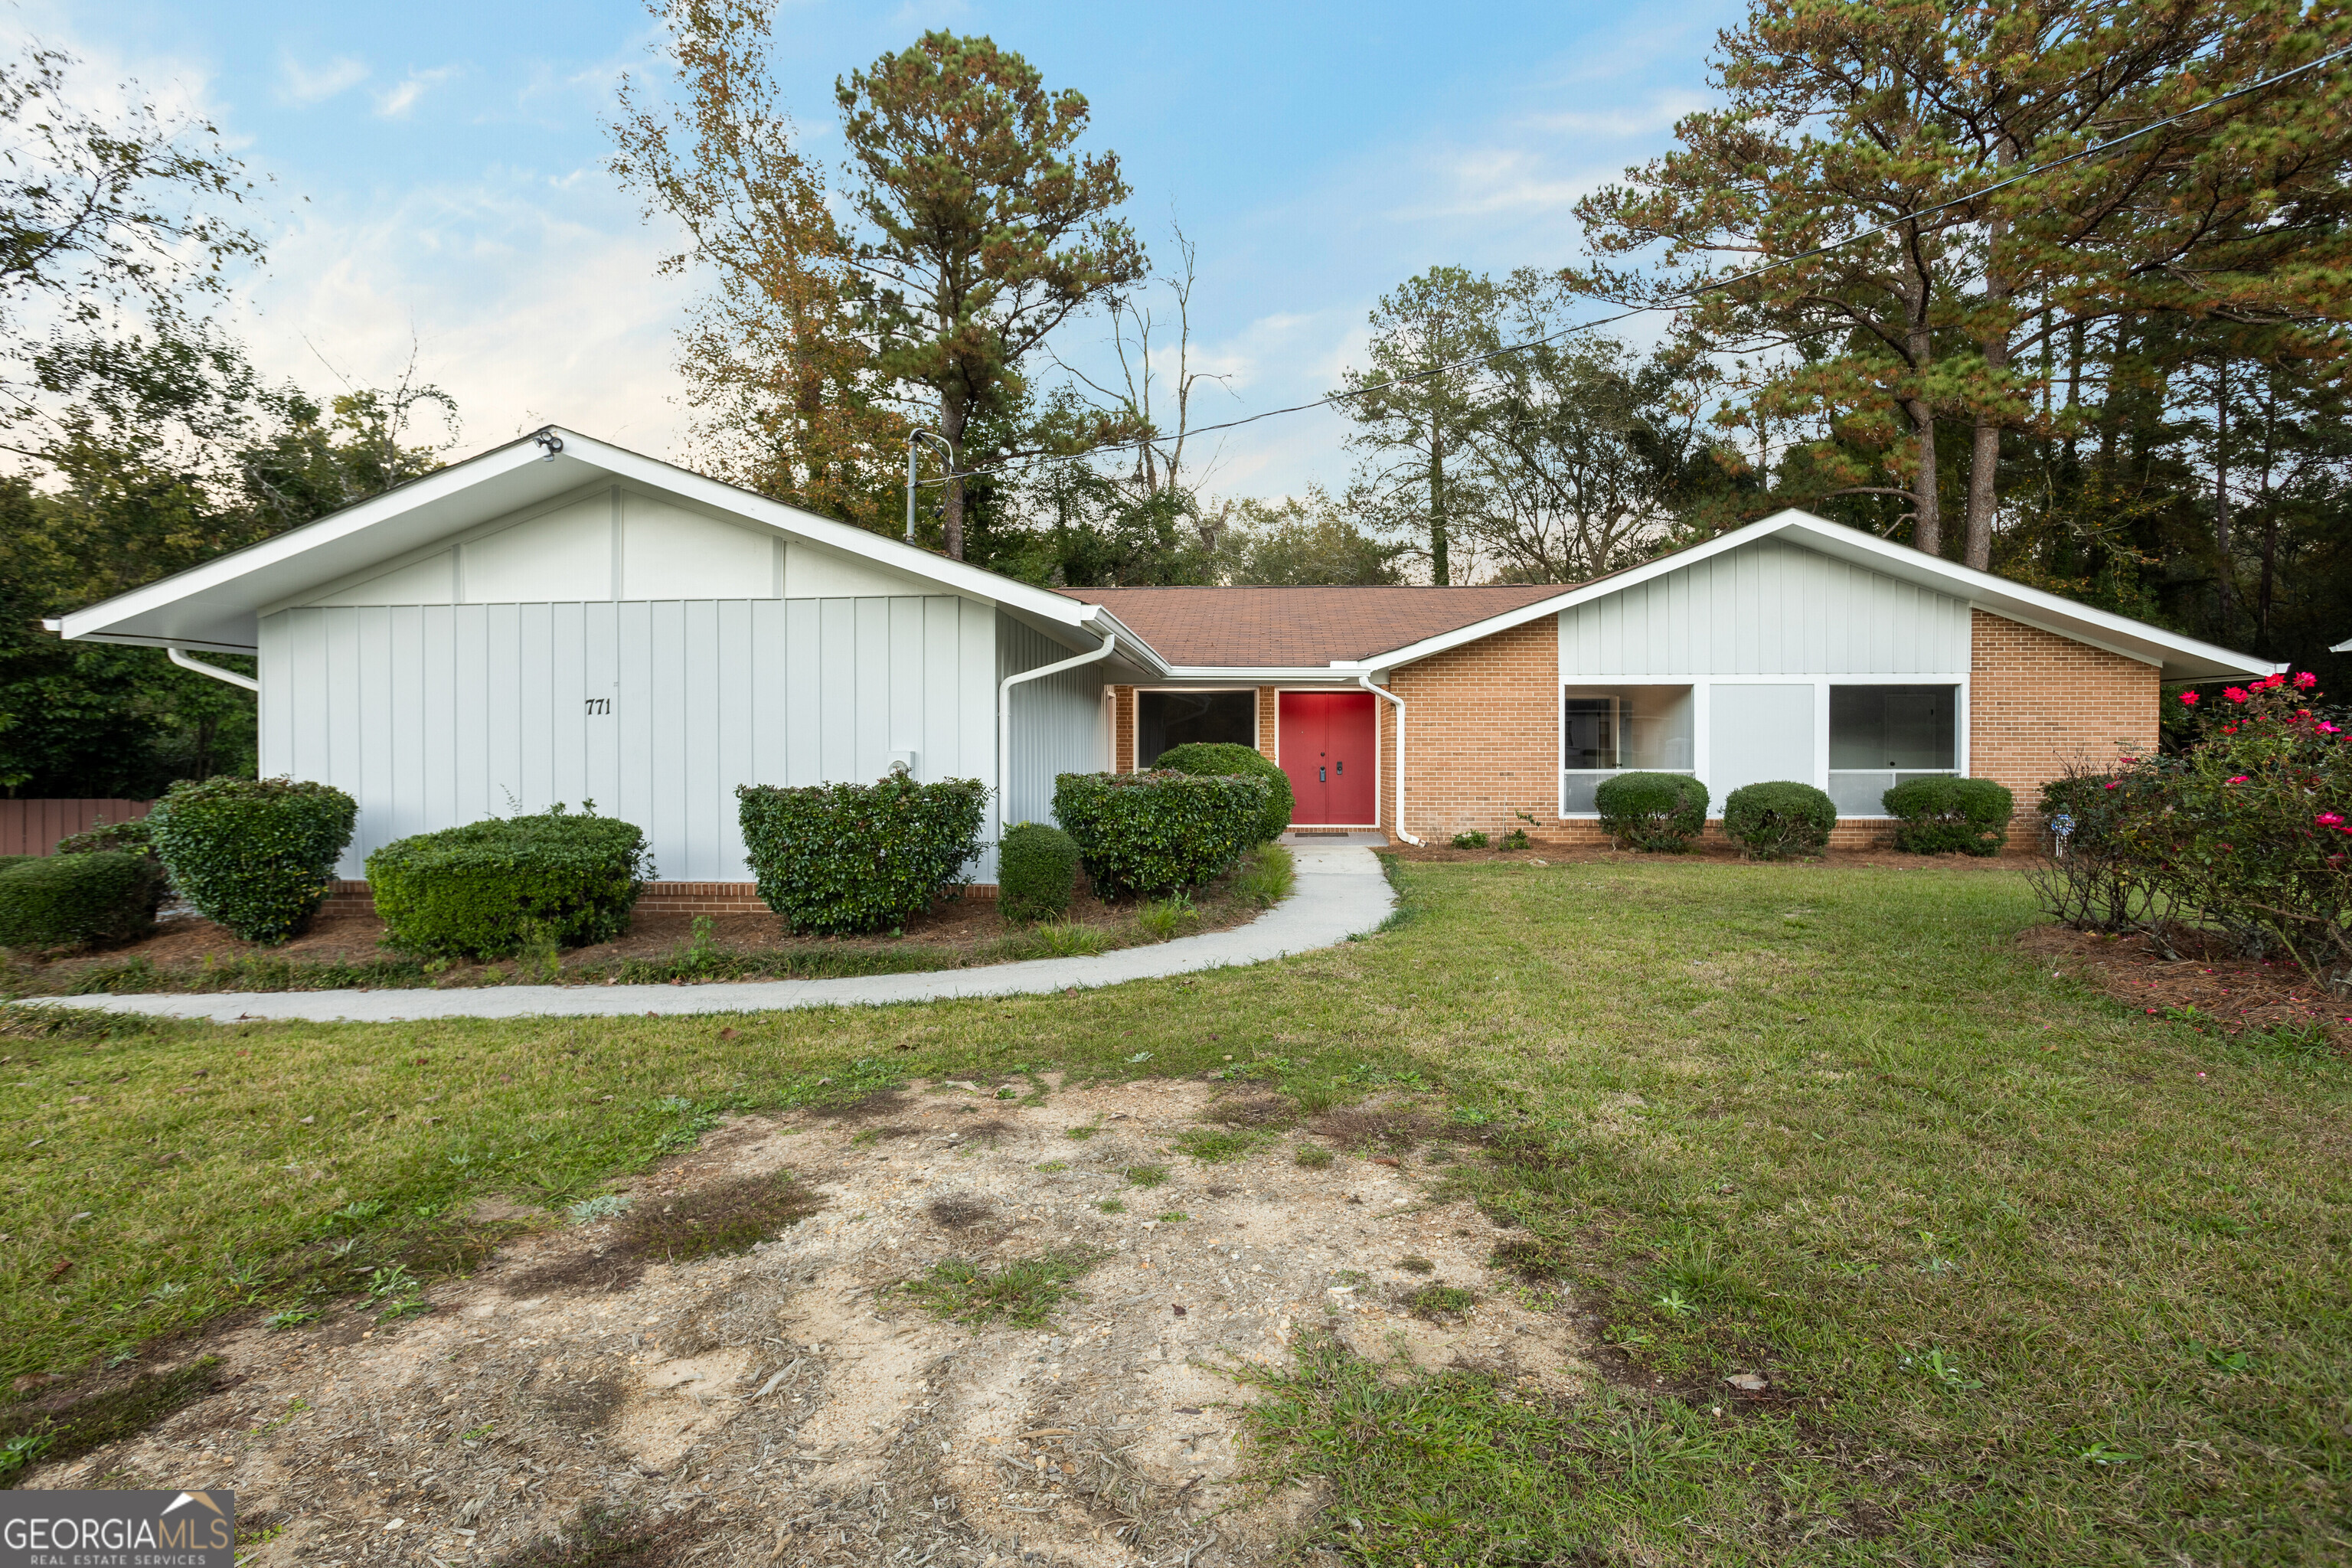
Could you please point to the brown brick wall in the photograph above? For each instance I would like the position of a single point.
(2038, 701)
(1269, 723)
(1482, 735)
(1122, 718)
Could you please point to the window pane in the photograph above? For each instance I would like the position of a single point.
(1168, 719)
(1894, 726)
(1633, 727)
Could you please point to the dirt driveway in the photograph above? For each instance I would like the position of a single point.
(584, 1400)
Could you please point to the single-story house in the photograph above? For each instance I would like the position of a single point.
(559, 619)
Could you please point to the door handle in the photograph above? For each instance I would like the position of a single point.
(1322, 775)
(1339, 767)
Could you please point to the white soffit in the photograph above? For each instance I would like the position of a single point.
(2179, 658)
(217, 605)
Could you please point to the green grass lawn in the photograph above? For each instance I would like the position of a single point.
(2032, 1279)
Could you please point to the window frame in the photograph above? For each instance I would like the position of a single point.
(1135, 714)
(1702, 689)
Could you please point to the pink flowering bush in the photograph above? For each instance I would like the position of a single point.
(2250, 827)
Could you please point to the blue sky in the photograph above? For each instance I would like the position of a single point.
(436, 175)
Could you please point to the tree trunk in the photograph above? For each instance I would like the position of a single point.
(2223, 574)
(1984, 453)
(1439, 569)
(2263, 594)
(953, 417)
(1919, 348)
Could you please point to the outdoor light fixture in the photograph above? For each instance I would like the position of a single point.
(915, 439)
(552, 442)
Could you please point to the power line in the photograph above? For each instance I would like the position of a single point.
(1688, 296)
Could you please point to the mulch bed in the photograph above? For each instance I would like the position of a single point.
(2232, 993)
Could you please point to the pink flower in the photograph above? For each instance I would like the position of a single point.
(2235, 693)
(2112, 785)
(2329, 819)
(2328, 728)
(2306, 682)
(2189, 698)
(2241, 778)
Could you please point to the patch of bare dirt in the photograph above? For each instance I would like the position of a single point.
(586, 1398)
(2233, 992)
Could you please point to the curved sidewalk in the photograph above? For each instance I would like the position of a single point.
(1341, 892)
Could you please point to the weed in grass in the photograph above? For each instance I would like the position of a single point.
(1024, 1292)
(1312, 1157)
(292, 1318)
(1174, 1216)
(541, 960)
(1268, 1112)
(1673, 1304)
(1944, 1373)
(1062, 939)
(1268, 877)
(1473, 840)
(1080, 1133)
(1530, 1258)
(1146, 1175)
(1350, 1276)
(1416, 1266)
(2291, 1042)
(1111, 1205)
(960, 1212)
(1161, 918)
(1217, 1148)
(1053, 1167)
(604, 1206)
(1431, 1299)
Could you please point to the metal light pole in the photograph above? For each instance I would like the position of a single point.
(915, 439)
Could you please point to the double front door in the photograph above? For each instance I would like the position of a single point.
(1331, 748)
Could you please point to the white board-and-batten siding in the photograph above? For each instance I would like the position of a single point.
(1766, 609)
(433, 715)
(1060, 725)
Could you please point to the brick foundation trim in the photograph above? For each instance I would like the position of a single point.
(353, 898)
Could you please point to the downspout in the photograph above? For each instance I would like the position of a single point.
(179, 657)
(1365, 680)
(1004, 717)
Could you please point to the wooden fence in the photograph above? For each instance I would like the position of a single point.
(34, 827)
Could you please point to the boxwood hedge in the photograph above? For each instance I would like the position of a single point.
(1037, 866)
(1782, 817)
(68, 901)
(858, 858)
(255, 855)
(1150, 832)
(1940, 815)
(479, 889)
(1225, 757)
(1661, 812)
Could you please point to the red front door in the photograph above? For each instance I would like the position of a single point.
(1330, 744)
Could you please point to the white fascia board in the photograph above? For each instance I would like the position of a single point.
(214, 606)
(2344, 647)
(2180, 657)
(1260, 675)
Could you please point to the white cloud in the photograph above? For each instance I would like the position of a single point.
(526, 306)
(1488, 182)
(1625, 122)
(300, 84)
(396, 103)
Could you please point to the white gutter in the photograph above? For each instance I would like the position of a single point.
(179, 656)
(1004, 716)
(1365, 680)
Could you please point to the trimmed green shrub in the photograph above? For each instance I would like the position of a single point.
(1941, 815)
(1656, 811)
(1036, 865)
(1155, 832)
(485, 890)
(1225, 757)
(257, 855)
(135, 836)
(1471, 840)
(68, 901)
(1782, 817)
(858, 858)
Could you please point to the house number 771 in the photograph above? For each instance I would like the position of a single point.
(600, 704)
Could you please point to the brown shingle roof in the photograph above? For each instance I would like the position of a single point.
(1299, 626)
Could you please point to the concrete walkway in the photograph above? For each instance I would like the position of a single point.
(1341, 892)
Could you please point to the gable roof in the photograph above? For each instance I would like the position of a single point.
(1307, 628)
(2179, 658)
(217, 606)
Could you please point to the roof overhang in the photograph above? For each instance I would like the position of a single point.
(217, 605)
(2180, 658)
(2344, 647)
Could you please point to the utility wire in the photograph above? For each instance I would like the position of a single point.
(1688, 296)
